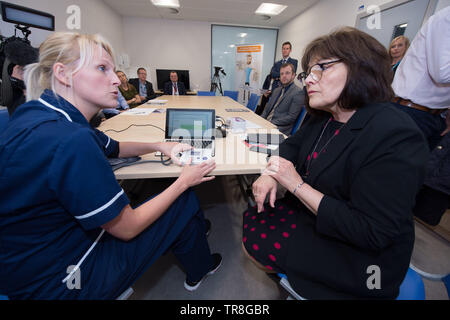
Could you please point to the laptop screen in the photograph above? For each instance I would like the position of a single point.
(190, 123)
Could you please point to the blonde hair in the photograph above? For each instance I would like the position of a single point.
(66, 48)
(405, 39)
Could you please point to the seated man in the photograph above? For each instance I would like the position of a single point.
(144, 87)
(286, 101)
(174, 87)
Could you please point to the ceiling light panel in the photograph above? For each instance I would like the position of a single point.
(270, 9)
(166, 3)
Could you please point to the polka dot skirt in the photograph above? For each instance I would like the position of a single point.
(266, 234)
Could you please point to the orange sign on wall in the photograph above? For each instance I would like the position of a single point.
(254, 48)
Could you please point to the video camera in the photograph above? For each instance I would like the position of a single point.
(219, 69)
(15, 50)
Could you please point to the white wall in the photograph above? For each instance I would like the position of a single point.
(169, 44)
(322, 18)
(442, 4)
(96, 17)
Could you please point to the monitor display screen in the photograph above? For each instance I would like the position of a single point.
(163, 76)
(28, 17)
(190, 123)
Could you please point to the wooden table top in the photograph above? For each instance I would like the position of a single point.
(232, 156)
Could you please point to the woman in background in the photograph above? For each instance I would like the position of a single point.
(397, 50)
(128, 91)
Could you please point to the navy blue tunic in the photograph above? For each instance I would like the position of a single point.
(56, 189)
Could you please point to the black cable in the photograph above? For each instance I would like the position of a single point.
(135, 125)
(117, 163)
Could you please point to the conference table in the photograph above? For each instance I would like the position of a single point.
(232, 155)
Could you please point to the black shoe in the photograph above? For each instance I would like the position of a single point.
(193, 285)
(207, 227)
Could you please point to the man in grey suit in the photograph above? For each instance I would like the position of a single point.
(286, 101)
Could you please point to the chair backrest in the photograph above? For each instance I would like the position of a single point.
(253, 101)
(299, 121)
(446, 281)
(232, 94)
(206, 93)
(412, 287)
(4, 118)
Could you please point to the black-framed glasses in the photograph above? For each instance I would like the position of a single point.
(316, 70)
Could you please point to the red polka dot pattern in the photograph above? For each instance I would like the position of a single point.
(266, 234)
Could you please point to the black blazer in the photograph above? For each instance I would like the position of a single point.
(150, 93)
(168, 88)
(369, 175)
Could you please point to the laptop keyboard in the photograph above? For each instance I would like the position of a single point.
(197, 144)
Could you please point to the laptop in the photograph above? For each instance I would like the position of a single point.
(194, 127)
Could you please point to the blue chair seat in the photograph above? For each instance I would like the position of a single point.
(253, 102)
(4, 118)
(412, 287)
(124, 296)
(206, 93)
(232, 94)
(299, 121)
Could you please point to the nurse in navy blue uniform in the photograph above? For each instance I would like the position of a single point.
(67, 230)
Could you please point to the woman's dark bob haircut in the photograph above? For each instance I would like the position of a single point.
(369, 69)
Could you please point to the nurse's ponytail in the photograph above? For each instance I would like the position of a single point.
(31, 79)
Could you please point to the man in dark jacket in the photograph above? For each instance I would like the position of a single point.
(174, 87)
(145, 88)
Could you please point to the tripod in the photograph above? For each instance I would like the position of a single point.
(216, 84)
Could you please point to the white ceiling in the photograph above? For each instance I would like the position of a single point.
(241, 12)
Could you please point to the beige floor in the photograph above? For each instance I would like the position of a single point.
(432, 254)
(239, 279)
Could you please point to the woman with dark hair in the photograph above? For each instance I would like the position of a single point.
(345, 228)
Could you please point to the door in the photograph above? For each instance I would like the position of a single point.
(395, 19)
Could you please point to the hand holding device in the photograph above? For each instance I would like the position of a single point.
(193, 156)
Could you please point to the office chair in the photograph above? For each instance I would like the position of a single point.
(4, 118)
(445, 278)
(253, 102)
(412, 287)
(232, 94)
(299, 121)
(206, 93)
(124, 296)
